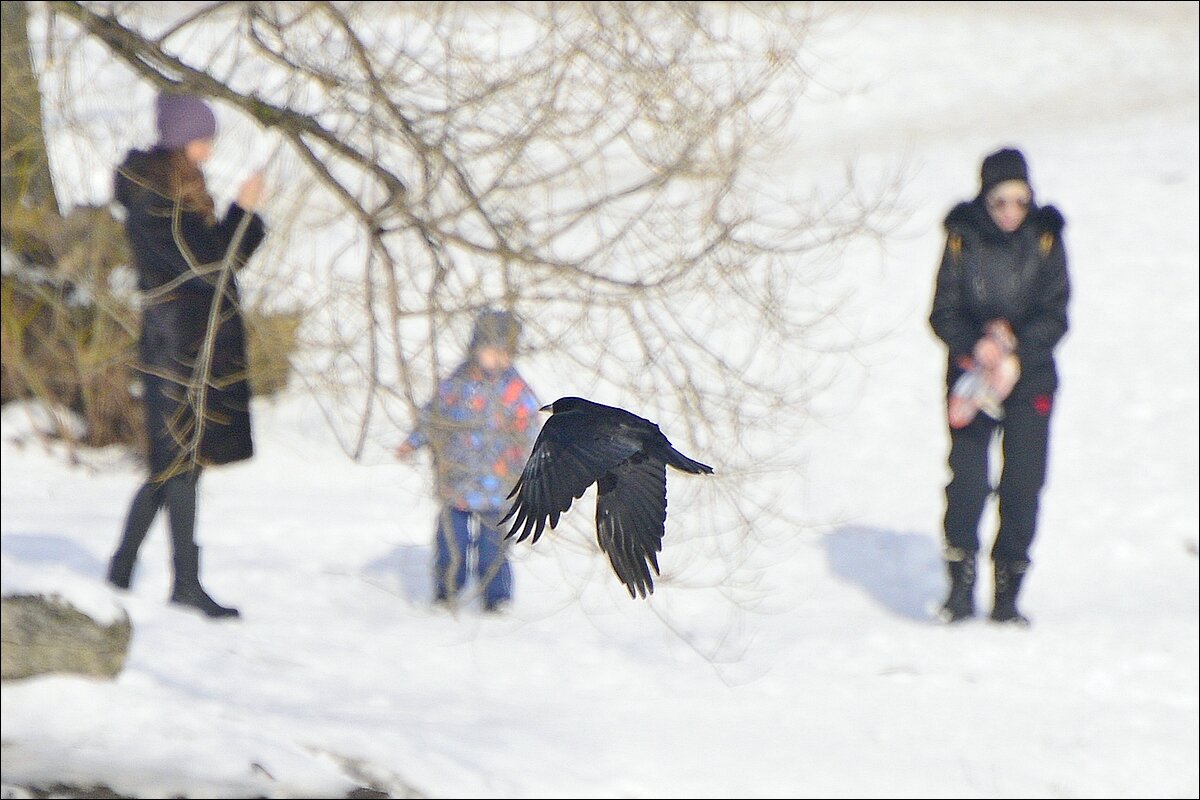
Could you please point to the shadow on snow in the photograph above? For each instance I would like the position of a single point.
(903, 572)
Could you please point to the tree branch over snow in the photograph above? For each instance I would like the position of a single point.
(609, 171)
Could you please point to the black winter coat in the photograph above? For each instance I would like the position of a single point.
(1020, 276)
(179, 255)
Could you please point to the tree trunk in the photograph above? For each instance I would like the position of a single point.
(25, 181)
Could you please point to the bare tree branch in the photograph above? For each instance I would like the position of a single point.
(604, 169)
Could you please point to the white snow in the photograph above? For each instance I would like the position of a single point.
(816, 672)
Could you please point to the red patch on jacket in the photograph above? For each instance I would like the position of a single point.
(1042, 404)
(512, 392)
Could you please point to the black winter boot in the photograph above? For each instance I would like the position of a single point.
(137, 524)
(120, 570)
(1008, 585)
(960, 603)
(188, 591)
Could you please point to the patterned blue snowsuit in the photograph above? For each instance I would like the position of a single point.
(481, 428)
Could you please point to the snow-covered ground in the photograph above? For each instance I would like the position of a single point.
(822, 676)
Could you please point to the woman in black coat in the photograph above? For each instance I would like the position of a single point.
(1001, 308)
(192, 346)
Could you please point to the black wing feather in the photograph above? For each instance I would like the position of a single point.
(571, 453)
(631, 515)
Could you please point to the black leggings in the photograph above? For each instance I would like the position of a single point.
(1025, 436)
(178, 494)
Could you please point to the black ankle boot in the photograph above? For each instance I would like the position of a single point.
(120, 570)
(960, 602)
(188, 591)
(1008, 585)
(196, 597)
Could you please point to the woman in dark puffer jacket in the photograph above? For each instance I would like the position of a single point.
(1001, 308)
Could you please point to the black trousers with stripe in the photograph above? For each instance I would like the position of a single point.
(1024, 445)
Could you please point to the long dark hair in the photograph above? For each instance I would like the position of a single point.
(170, 174)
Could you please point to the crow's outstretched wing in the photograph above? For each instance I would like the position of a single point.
(631, 515)
(573, 451)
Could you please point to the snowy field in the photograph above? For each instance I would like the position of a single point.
(823, 676)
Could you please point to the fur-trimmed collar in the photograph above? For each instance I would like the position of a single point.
(973, 214)
(1049, 218)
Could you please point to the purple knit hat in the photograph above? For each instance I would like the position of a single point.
(183, 118)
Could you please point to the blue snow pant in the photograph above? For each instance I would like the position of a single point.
(474, 536)
(1025, 435)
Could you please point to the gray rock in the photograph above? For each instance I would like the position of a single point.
(42, 634)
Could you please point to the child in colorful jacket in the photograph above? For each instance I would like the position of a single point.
(480, 426)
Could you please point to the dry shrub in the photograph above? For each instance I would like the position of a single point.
(270, 341)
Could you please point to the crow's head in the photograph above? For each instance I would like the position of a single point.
(567, 404)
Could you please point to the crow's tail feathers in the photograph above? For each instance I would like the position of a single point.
(681, 462)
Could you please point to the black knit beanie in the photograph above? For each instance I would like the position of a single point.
(1000, 166)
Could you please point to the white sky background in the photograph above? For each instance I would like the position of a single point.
(824, 678)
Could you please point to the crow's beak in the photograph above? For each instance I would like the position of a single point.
(548, 407)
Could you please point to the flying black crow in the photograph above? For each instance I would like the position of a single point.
(626, 456)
